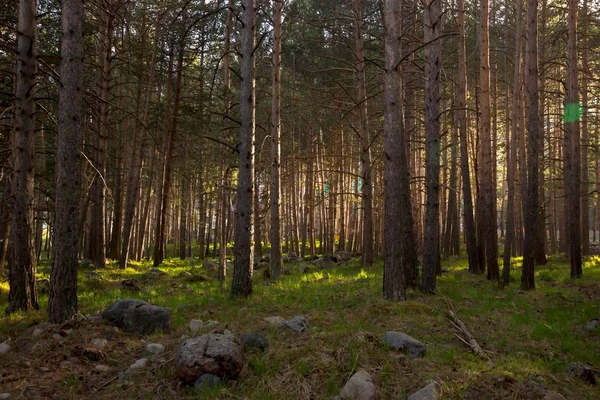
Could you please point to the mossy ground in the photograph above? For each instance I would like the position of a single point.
(527, 335)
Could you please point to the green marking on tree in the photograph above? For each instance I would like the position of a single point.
(573, 112)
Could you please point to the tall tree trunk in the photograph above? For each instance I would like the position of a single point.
(62, 305)
(22, 260)
(395, 160)
(243, 264)
(363, 131)
(276, 258)
(512, 148)
(488, 192)
(585, 200)
(431, 255)
(533, 133)
(572, 157)
(470, 230)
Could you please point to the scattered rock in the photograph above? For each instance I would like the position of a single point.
(433, 391)
(155, 348)
(154, 272)
(297, 324)
(210, 266)
(5, 396)
(582, 371)
(138, 365)
(359, 387)
(535, 384)
(102, 368)
(275, 320)
(207, 381)
(311, 258)
(209, 354)
(592, 325)
(88, 353)
(553, 396)
(328, 261)
(93, 275)
(254, 340)
(137, 316)
(343, 255)
(4, 348)
(305, 269)
(99, 342)
(195, 325)
(133, 285)
(405, 343)
(44, 369)
(290, 257)
(57, 337)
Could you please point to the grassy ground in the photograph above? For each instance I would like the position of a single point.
(529, 336)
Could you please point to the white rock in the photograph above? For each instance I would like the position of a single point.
(155, 348)
(99, 342)
(138, 365)
(102, 368)
(276, 320)
(5, 396)
(433, 391)
(4, 348)
(37, 332)
(44, 369)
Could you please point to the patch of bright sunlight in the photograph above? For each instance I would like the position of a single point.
(362, 274)
(593, 261)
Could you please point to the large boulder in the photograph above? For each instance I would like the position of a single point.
(137, 316)
(343, 255)
(297, 324)
(359, 387)
(328, 261)
(214, 354)
(405, 343)
(210, 266)
(433, 391)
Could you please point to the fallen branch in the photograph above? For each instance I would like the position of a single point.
(463, 334)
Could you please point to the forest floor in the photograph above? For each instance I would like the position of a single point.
(530, 337)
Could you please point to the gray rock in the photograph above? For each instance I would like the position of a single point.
(582, 371)
(4, 348)
(405, 343)
(138, 365)
(433, 391)
(275, 320)
(44, 369)
(195, 325)
(154, 272)
(210, 266)
(207, 381)
(254, 340)
(155, 348)
(344, 255)
(209, 354)
(5, 396)
(93, 275)
(297, 324)
(305, 269)
(57, 337)
(133, 285)
(137, 316)
(99, 342)
(553, 396)
(592, 325)
(359, 387)
(328, 261)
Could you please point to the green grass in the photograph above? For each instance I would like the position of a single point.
(526, 334)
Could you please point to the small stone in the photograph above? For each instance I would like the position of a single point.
(359, 387)
(155, 348)
(99, 342)
(211, 323)
(254, 340)
(553, 396)
(44, 369)
(592, 325)
(297, 324)
(405, 343)
(207, 381)
(68, 331)
(582, 371)
(5, 396)
(138, 365)
(228, 334)
(4, 348)
(57, 337)
(66, 363)
(122, 375)
(102, 368)
(433, 391)
(276, 320)
(195, 325)
(37, 332)
(26, 364)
